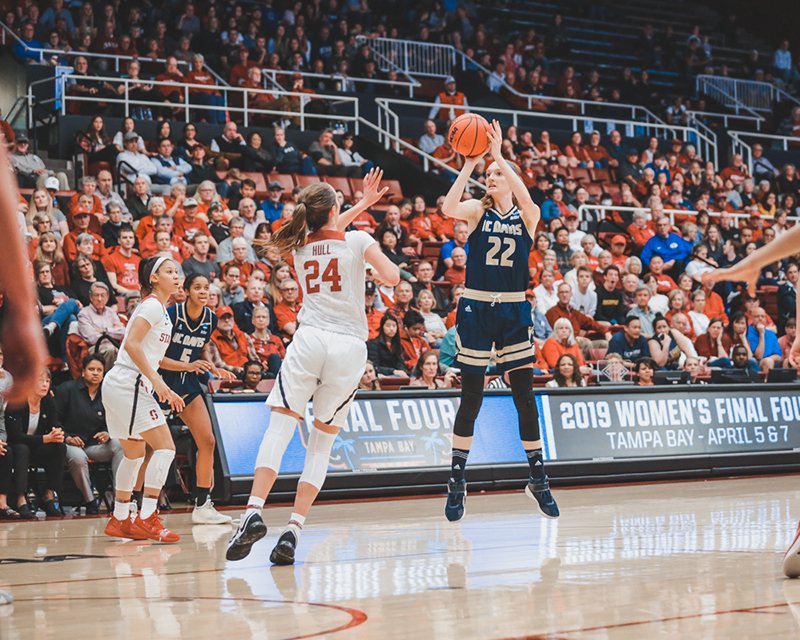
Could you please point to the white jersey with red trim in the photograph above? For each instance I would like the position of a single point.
(332, 270)
(155, 342)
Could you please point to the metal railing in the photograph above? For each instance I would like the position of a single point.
(45, 55)
(742, 95)
(670, 213)
(440, 60)
(704, 141)
(272, 77)
(127, 102)
(724, 118)
(738, 144)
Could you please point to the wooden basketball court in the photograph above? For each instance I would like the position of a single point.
(683, 560)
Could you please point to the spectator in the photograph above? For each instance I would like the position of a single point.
(629, 344)
(385, 350)
(584, 296)
(541, 327)
(252, 373)
(268, 347)
(35, 437)
(427, 373)
(122, 263)
(668, 346)
(642, 310)
(741, 360)
(562, 341)
(450, 103)
(782, 65)
(692, 366)
(579, 321)
(554, 206)
(562, 249)
(457, 273)
(100, 326)
(210, 97)
(79, 405)
(424, 275)
(715, 345)
(243, 311)
(430, 140)
(763, 342)
(567, 373)
(236, 228)
(287, 157)
(58, 310)
(763, 169)
(230, 348)
(137, 203)
(460, 239)
(168, 169)
(325, 154)
(369, 381)
(133, 163)
(644, 370)
(42, 204)
(353, 163)
(434, 325)
(198, 261)
(546, 294)
(272, 207)
(411, 340)
(84, 276)
(699, 320)
(286, 311)
(610, 307)
(30, 169)
(596, 152)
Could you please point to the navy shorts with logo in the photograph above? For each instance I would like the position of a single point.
(506, 326)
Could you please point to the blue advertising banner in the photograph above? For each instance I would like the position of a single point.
(414, 430)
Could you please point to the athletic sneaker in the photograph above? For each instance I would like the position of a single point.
(456, 494)
(791, 561)
(122, 529)
(153, 529)
(540, 493)
(283, 553)
(207, 514)
(251, 530)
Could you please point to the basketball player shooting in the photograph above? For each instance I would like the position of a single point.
(494, 313)
(748, 271)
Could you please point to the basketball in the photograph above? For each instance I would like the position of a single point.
(468, 136)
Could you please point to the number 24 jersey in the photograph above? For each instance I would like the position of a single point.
(332, 270)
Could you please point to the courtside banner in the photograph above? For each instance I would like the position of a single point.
(676, 422)
(408, 430)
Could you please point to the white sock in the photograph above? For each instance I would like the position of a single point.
(254, 505)
(149, 506)
(296, 522)
(122, 510)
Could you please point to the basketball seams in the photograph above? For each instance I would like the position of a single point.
(466, 129)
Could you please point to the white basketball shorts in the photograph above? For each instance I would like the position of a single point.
(130, 405)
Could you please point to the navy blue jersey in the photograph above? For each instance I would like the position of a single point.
(498, 253)
(188, 338)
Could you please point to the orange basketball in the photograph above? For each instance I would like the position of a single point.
(468, 136)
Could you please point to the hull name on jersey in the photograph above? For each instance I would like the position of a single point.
(495, 226)
(321, 250)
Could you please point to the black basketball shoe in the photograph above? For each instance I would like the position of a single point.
(251, 530)
(456, 495)
(283, 553)
(539, 491)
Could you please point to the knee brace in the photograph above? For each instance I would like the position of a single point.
(318, 454)
(279, 432)
(157, 469)
(471, 401)
(521, 381)
(127, 472)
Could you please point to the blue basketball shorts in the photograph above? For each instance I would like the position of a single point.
(506, 326)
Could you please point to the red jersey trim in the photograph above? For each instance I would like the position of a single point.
(324, 235)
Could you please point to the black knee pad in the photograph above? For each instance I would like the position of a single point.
(471, 400)
(521, 381)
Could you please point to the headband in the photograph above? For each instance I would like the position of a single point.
(158, 264)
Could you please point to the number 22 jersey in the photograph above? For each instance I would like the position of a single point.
(498, 253)
(332, 270)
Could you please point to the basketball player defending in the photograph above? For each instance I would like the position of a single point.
(326, 357)
(132, 412)
(493, 312)
(748, 270)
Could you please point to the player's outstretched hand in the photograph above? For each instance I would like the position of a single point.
(176, 403)
(735, 273)
(371, 187)
(495, 135)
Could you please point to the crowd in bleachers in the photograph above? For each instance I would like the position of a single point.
(616, 294)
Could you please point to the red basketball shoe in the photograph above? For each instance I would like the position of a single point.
(153, 529)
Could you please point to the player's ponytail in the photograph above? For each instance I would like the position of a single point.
(311, 214)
